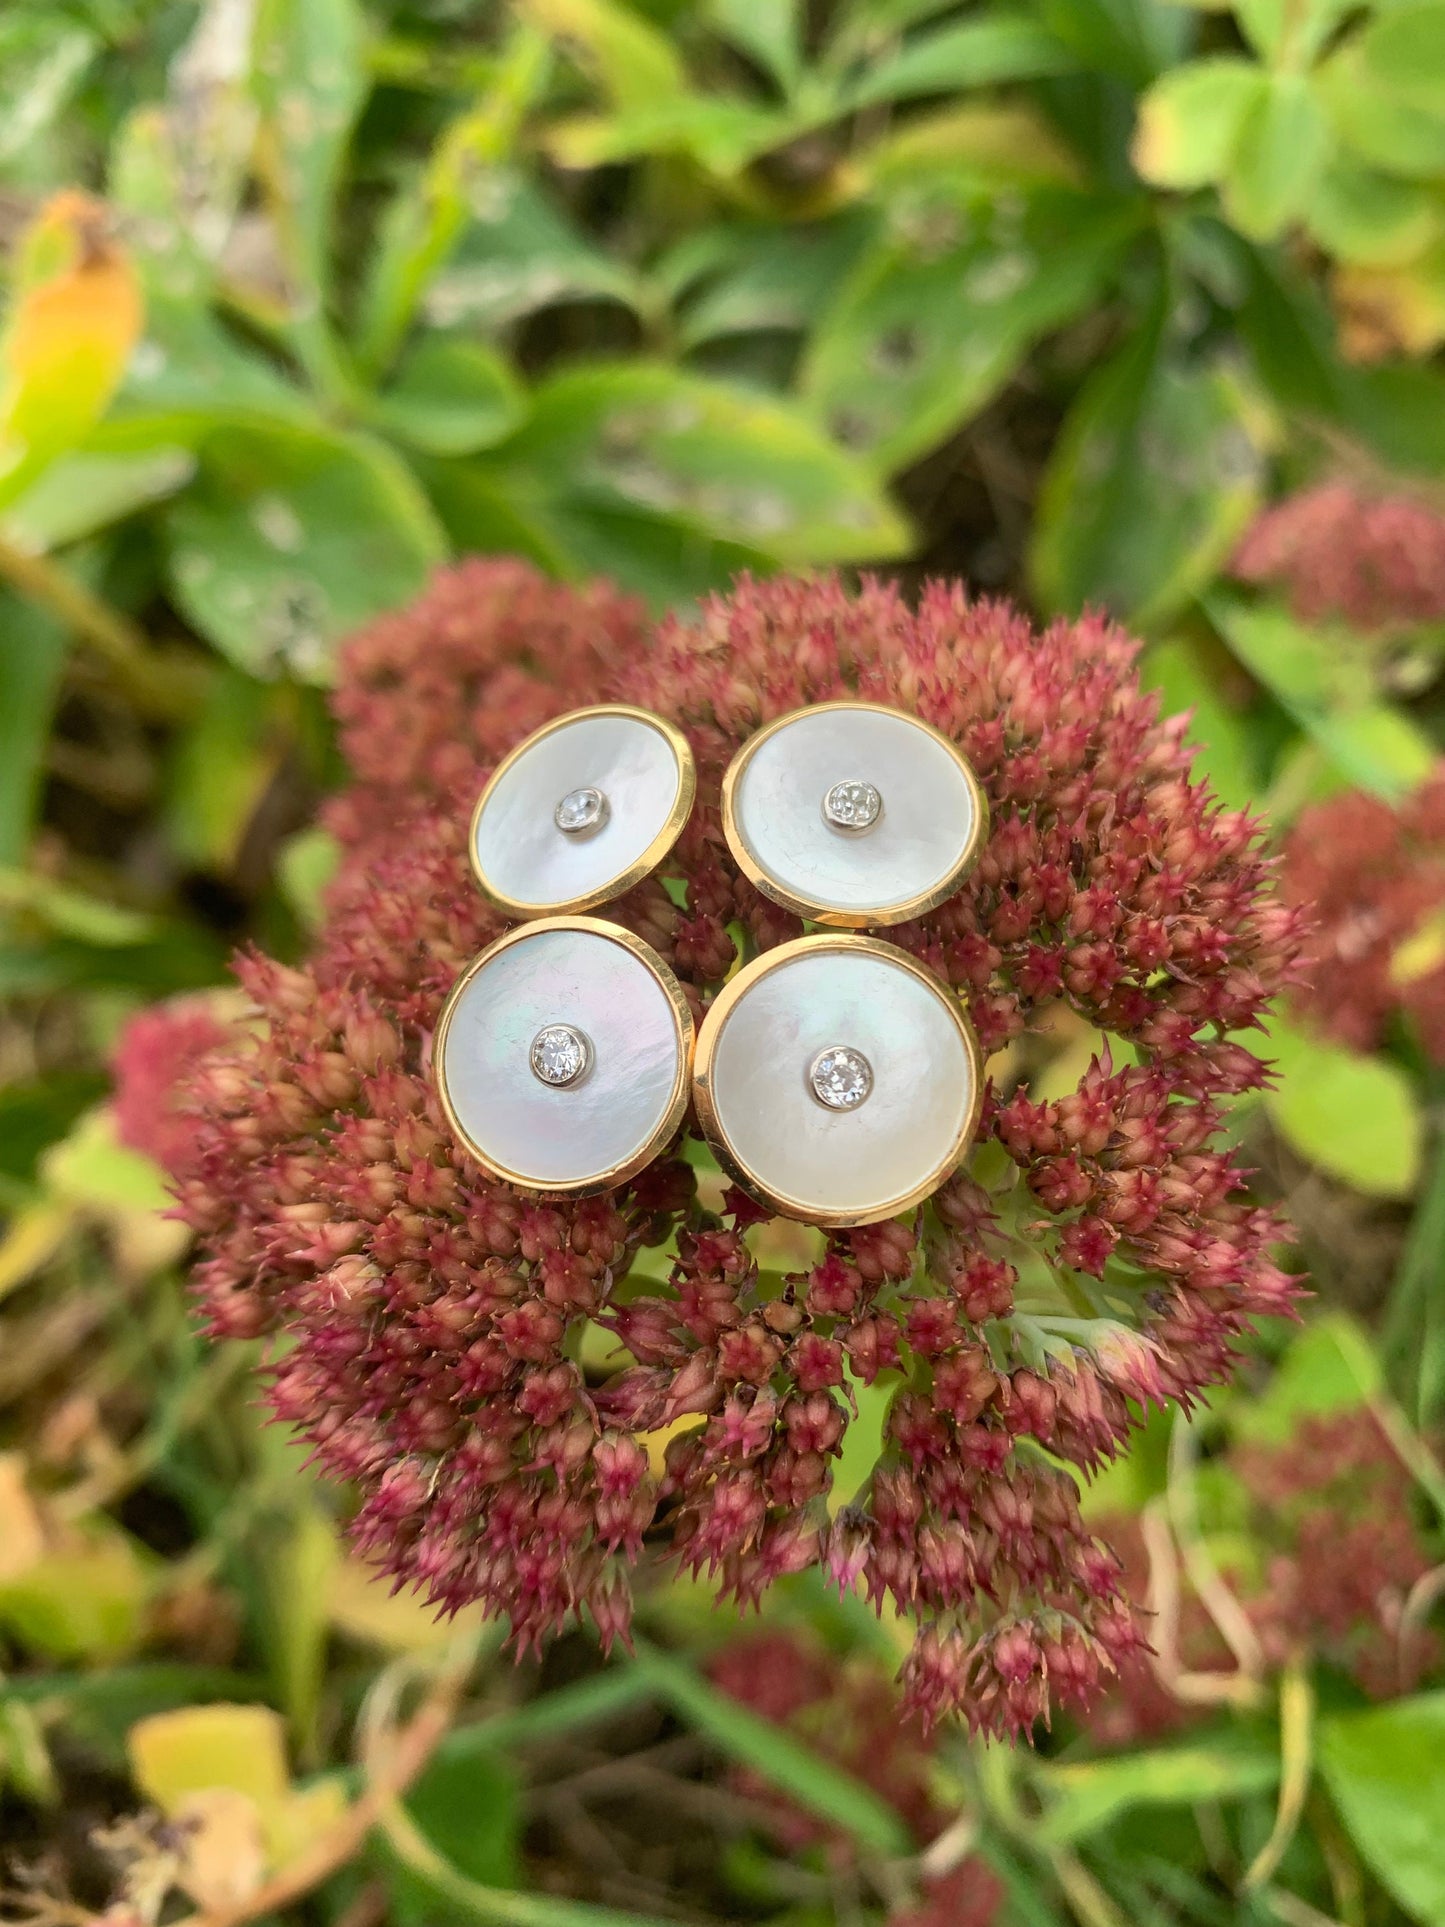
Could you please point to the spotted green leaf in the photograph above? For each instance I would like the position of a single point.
(942, 309)
(290, 537)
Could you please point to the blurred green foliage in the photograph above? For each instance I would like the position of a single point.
(305, 296)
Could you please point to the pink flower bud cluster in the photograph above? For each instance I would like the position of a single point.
(1375, 563)
(850, 1715)
(1336, 1550)
(1373, 878)
(435, 1317)
(152, 1062)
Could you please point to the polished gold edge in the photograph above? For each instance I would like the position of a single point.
(715, 1021)
(677, 1103)
(887, 914)
(625, 880)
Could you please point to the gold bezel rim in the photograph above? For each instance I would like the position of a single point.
(715, 1022)
(886, 914)
(677, 1101)
(624, 880)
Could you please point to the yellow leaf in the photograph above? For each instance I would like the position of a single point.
(197, 1748)
(305, 1815)
(97, 1176)
(1390, 311)
(34, 1237)
(1421, 954)
(76, 317)
(83, 1599)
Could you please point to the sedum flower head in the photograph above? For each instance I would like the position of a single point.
(1373, 876)
(1334, 1571)
(1097, 1255)
(849, 1714)
(1377, 563)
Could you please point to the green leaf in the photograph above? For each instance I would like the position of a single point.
(863, 1440)
(641, 438)
(1131, 40)
(425, 220)
(1277, 156)
(633, 62)
(85, 492)
(517, 254)
(1227, 756)
(1366, 218)
(188, 377)
(1191, 119)
(451, 397)
(742, 279)
(290, 1558)
(723, 135)
(73, 913)
(92, 1169)
(1153, 478)
(986, 147)
(1402, 52)
(1329, 1367)
(768, 31)
(867, 21)
(99, 1708)
(1384, 122)
(1288, 34)
(1355, 1117)
(1081, 1797)
(1382, 1767)
(219, 770)
(305, 864)
(309, 74)
(289, 538)
(470, 1812)
(784, 1761)
(977, 52)
(85, 1601)
(1327, 686)
(942, 309)
(44, 57)
(35, 651)
(35, 1115)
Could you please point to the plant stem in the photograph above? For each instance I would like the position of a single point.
(1412, 1334)
(154, 689)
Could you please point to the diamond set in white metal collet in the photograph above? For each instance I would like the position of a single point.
(840, 1078)
(560, 1055)
(852, 805)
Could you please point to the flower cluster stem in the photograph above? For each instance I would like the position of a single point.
(154, 688)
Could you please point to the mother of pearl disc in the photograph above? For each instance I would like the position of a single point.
(527, 862)
(593, 1132)
(930, 826)
(752, 1079)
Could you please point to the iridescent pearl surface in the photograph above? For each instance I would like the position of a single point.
(538, 841)
(821, 1158)
(860, 871)
(549, 1132)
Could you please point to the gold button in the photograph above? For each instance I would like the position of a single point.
(838, 1080)
(562, 1056)
(853, 815)
(582, 811)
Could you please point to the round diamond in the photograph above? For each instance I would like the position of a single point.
(560, 1055)
(852, 805)
(581, 811)
(840, 1078)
